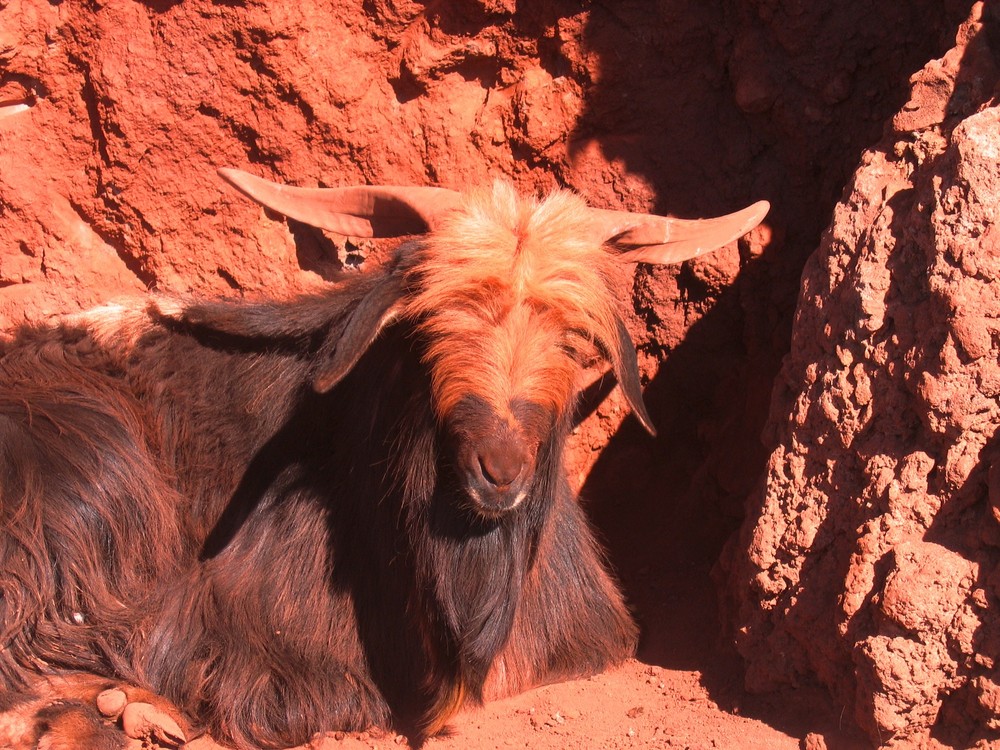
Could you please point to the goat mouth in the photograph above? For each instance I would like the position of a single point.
(492, 504)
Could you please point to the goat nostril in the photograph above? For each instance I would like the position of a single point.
(500, 470)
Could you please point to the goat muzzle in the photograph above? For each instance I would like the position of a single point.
(499, 478)
(495, 457)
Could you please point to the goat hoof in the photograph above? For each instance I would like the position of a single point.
(144, 721)
(81, 711)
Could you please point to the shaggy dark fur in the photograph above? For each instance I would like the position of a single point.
(183, 511)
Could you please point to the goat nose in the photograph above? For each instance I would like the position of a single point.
(501, 467)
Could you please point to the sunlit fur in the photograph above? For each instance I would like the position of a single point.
(501, 289)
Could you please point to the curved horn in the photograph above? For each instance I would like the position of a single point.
(662, 240)
(364, 211)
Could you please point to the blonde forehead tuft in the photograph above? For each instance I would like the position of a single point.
(498, 287)
(505, 249)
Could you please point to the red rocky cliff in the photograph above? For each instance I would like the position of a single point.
(871, 560)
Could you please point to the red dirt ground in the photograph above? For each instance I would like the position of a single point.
(635, 706)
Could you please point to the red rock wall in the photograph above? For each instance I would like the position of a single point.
(114, 115)
(872, 559)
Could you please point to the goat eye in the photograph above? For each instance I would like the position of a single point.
(569, 350)
(581, 348)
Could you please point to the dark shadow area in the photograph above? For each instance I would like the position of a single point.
(314, 250)
(160, 6)
(17, 88)
(665, 515)
(716, 105)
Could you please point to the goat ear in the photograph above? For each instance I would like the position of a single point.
(340, 353)
(663, 240)
(624, 363)
(364, 211)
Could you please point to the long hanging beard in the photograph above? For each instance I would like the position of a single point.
(472, 584)
(472, 572)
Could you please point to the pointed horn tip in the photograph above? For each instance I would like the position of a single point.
(756, 213)
(234, 177)
(752, 215)
(649, 427)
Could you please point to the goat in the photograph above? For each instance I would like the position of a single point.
(347, 509)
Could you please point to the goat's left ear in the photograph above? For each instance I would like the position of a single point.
(625, 365)
(663, 240)
(340, 353)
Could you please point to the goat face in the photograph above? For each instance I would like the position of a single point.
(510, 300)
(510, 296)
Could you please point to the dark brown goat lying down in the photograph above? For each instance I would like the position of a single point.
(348, 509)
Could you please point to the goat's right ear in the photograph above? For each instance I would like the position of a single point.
(340, 353)
(362, 211)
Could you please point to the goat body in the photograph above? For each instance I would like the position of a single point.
(343, 510)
